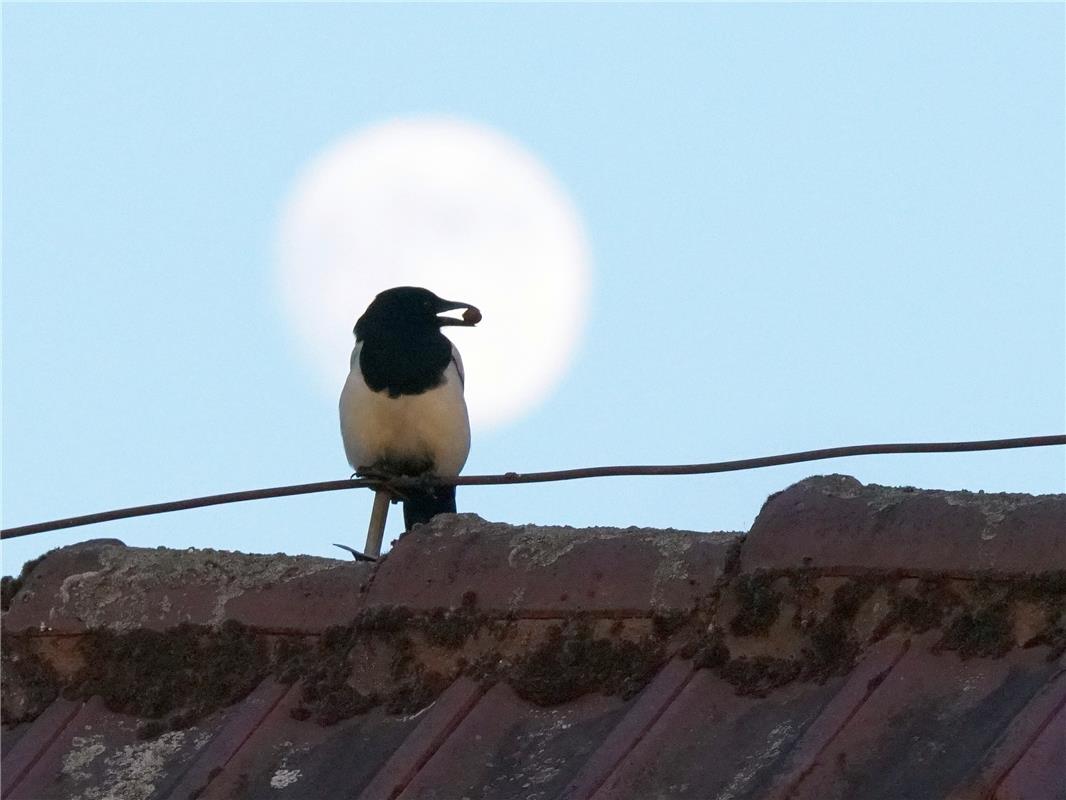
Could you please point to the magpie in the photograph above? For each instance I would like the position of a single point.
(402, 408)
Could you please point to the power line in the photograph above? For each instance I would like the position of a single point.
(540, 477)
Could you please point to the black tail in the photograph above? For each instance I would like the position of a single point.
(423, 506)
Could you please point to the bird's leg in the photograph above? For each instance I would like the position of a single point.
(382, 480)
(376, 530)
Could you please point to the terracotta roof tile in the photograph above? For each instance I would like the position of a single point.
(436, 725)
(103, 583)
(290, 758)
(1038, 772)
(549, 570)
(836, 522)
(750, 738)
(929, 727)
(644, 712)
(861, 641)
(506, 748)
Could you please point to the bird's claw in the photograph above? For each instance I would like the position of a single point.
(420, 483)
(398, 486)
(380, 480)
(373, 474)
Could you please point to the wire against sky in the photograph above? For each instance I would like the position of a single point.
(541, 477)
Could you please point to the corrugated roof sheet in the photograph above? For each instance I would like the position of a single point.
(860, 641)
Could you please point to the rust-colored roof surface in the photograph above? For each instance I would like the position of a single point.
(858, 642)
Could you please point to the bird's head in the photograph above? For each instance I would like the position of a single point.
(413, 310)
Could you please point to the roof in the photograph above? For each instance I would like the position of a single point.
(859, 641)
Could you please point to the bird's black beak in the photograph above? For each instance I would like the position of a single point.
(471, 316)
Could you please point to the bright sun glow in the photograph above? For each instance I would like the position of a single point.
(457, 208)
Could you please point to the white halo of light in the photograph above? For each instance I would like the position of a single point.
(460, 209)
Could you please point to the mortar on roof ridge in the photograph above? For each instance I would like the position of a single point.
(447, 524)
(70, 580)
(672, 566)
(211, 562)
(847, 487)
(834, 484)
(536, 549)
(993, 506)
(542, 546)
(128, 574)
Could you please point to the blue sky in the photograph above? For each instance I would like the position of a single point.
(811, 225)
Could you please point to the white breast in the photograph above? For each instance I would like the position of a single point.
(432, 425)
